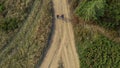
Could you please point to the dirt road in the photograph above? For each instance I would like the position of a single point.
(62, 52)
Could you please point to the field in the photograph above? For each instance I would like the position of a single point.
(95, 50)
(22, 46)
(25, 31)
(97, 40)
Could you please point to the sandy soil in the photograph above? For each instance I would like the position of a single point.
(62, 48)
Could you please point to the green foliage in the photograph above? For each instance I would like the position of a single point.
(9, 24)
(1, 8)
(97, 51)
(111, 18)
(94, 49)
(91, 10)
(105, 12)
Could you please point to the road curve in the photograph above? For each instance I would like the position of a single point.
(62, 48)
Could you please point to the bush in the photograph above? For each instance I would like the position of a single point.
(97, 51)
(105, 12)
(2, 8)
(9, 24)
(111, 17)
(91, 10)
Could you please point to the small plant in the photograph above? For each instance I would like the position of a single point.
(2, 8)
(9, 24)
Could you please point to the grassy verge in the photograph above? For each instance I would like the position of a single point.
(104, 12)
(26, 47)
(95, 50)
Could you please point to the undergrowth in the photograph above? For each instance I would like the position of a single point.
(25, 49)
(105, 12)
(13, 14)
(95, 50)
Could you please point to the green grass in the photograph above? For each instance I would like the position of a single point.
(111, 17)
(105, 12)
(95, 50)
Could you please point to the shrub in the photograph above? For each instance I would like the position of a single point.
(91, 10)
(111, 18)
(105, 12)
(97, 51)
(2, 8)
(9, 24)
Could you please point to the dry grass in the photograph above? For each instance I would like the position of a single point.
(13, 9)
(25, 48)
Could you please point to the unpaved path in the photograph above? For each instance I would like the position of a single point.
(63, 46)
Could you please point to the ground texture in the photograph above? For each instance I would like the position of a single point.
(62, 52)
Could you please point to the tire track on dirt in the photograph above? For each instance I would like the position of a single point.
(65, 48)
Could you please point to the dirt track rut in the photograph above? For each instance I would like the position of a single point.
(62, 48)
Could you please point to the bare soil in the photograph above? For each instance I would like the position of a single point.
(63, 44)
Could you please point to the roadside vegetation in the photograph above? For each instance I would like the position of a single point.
(96, 50)
(25, 35)
(13, 13)
(105, 12)
(96, 26)
(12, 17)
